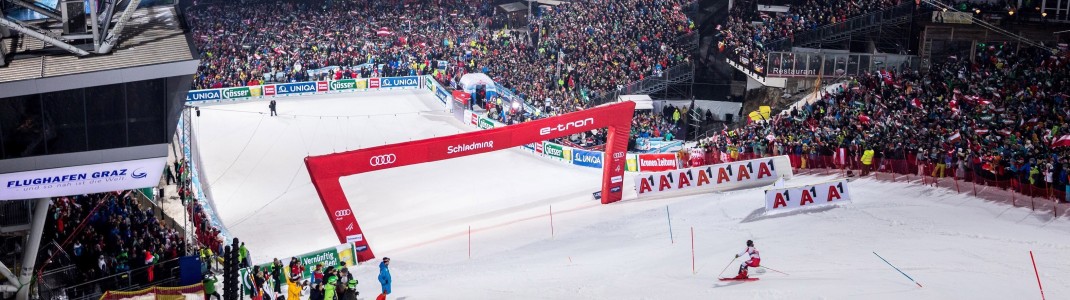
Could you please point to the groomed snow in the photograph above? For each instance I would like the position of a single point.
(957, 246)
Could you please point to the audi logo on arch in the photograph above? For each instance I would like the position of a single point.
(382, 160)
(339, 214)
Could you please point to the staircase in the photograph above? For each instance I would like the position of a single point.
(680, 74)
(842, 31)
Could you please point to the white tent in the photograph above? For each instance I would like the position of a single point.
(471, 80)
(642, 102)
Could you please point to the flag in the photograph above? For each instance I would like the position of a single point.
(863, 118)
(954, 137)
(1062, 141)
(980, 131)
(916, 102)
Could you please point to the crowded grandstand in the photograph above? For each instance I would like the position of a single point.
(107, 196)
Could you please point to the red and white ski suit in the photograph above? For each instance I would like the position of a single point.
(754, 258)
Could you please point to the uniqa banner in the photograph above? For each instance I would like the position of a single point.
(586, 158)
(734, 175)
(821, 194)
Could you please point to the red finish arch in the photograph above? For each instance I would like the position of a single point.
(326, 170)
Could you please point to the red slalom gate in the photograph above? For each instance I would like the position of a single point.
(326, 170)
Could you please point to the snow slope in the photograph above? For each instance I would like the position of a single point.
(957, 246)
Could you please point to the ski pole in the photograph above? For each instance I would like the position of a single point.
(771, 269)
(897, 269)
(726, 267)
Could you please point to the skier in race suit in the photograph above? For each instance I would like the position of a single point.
(752, 262)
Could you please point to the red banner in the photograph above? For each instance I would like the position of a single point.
(657, 162)
(321, 86)
(462, 97)
(373, 83)
(269, 90)
(327, 169)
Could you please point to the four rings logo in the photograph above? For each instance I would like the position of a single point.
(382, 160)
(618, 155)
(566, 126)
(339, 214)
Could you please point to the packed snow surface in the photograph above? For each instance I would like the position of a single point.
(955, 245)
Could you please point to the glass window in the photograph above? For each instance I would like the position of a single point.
(21, 126)
(145, 110)
(65, 115)
(105, 108)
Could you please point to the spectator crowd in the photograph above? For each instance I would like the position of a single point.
(997, 115)
(569, 53)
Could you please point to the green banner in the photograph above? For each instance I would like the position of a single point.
(485, 123)
(344, 85)
(328, 257)
(554, 150)
(234, 93)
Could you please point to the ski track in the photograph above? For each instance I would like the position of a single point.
(956, 245)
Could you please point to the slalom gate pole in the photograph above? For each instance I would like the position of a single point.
(551, 221)
(692, 249)
(671, 239)
(897, 269)
(726, 267)
(1037, 273)
(771, 269)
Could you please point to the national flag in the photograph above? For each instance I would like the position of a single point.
(954, 137)
(863, 118)
(1062, 141)
(980, 131)
(916, 102)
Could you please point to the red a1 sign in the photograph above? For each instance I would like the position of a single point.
(820, 194)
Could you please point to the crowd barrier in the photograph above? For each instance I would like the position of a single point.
(933, 174)
(308, 88)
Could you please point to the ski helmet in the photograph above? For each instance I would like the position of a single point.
(750, 243)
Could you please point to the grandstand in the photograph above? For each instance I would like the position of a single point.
(96, 101)
(90, 99)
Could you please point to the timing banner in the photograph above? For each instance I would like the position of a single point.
(826, 193)
(734, 175)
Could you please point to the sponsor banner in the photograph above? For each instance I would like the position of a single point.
(237, 93)
(461, 97)
(269, 90)
(256, 91)
(399, 82)
(328, 257)
(632, 163)
(203, 95)
(321, 86)
(430, 83)
(538, 148)
(485, 123)
(343, 85)
(470, 118)
(553, 150)
(78, 180)
(362, 84)
(952, 17)
(821, 194)
(735, 175)
(373, 83)
(295, 88)
(586, 158)
(442, 95)
(656, 162)
(529, 147)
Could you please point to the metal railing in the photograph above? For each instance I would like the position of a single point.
(65, 284)
(845, 28)
(979, 22)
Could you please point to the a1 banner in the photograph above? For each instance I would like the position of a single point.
(821, 194)
(321, 86)
(269, 90)
(734, 175)
(373, 83)
(657, 162)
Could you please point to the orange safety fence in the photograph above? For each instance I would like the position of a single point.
(158, 293)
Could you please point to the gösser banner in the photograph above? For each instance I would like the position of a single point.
(115, 176)
(657, 162)
(740, 174)
(820, 194)
(326, 170)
